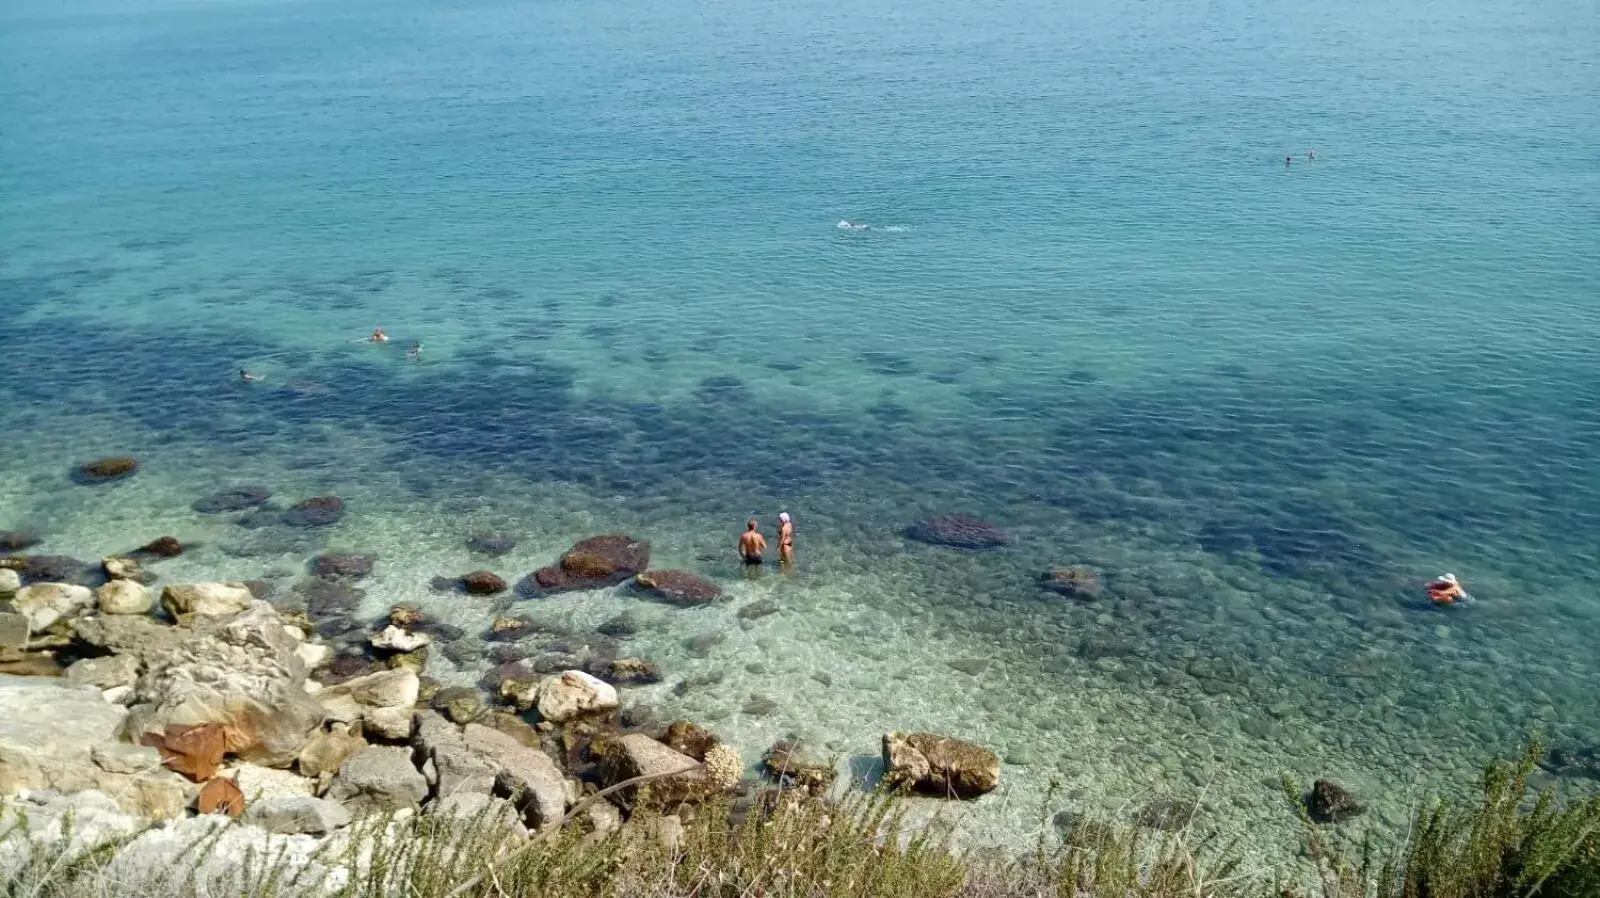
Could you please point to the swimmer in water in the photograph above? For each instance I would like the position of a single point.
(785, 540)
(1311, 155)
(1287, 160)
(752, 545)
(378, 336)
(249, 378)
(415, 352)
(848, 225)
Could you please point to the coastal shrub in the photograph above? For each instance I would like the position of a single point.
(796, 845)
(1501, 847)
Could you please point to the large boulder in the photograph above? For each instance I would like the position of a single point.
(140, 637)
(57, 736)
(678, 587)
(958, 532)
(525, 775)
(572, 694)
(939, 765)
(297, 814)
(124, 597)
(45, 603)
(241, 672)
(680, 778)
(188, 600)
(384, 702)
(603, 560)
(379, 779)
(10, 582)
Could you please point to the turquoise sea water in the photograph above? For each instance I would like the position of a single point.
(1267, 402)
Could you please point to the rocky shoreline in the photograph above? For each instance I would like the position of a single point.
(123, 708)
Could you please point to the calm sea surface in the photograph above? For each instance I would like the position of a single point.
(1095, 307)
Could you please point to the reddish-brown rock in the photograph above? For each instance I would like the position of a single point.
(603, 560)
(196, 752)
(220, 796)
(165, 547)
(482, 583)
(105, 470)
(679, 587)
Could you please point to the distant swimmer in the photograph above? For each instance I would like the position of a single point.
(378, 336)
(785, 539)
(752, 545)
(848, 225)
(1287, 161)
(1446, 590)
(1311, 155)
(250, 378)
(415, 352)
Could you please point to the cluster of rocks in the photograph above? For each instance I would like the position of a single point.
(204, 700)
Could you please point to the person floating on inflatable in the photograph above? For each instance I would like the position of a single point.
(1446, 590)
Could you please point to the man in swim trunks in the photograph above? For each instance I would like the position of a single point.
(785, 539)
(752, 545)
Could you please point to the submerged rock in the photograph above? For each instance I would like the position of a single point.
(959, 532)
(603, 560)
(1332, 803)
(318, 511)
(342, 566)
(56, 569)
(630, 671)
(679, 587)
(492, 543)
(106, 470)
(237, 498)
(17, 540)
(1075, 582)
(939, 765)
(624, 624)
(1166, 814)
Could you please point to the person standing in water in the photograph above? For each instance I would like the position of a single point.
(752, 545)
(785, 540)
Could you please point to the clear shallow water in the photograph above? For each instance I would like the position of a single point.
(1267, 402)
